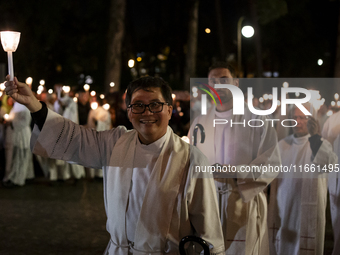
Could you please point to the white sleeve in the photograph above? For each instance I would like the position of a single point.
(63, 139)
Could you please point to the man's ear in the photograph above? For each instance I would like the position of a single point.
(170, 111)
(128, 113)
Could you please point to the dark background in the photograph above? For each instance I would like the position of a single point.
(60, 40)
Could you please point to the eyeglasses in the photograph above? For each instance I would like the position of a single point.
(154, 107)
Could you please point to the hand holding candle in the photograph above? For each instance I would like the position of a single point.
(10, 41)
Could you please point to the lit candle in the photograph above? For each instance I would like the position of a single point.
(10, 41)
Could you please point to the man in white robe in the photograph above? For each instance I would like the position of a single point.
(242, 202)
(99, 119)
(19, 161)
(297, 209)
(331, 132)
(66, 107)
(48, 165)
(152, 202)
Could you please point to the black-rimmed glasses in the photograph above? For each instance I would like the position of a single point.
(154, 107)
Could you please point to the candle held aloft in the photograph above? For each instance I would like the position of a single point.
(10, 41)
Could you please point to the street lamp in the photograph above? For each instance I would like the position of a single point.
(246, 31)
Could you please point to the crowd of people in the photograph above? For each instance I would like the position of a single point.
(17, 160)
(236, 212)
(16, 122)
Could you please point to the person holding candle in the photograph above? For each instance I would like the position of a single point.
(152, 195)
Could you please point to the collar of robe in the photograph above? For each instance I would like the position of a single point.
(161, 193)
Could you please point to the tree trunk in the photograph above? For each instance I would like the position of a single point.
(115, 38)
(257, 37)
(337, 57)
(220, 30)
(190, 64)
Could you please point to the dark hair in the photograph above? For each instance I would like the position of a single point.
(146, 83)
(222, 64)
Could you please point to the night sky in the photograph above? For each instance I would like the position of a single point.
(63, 39)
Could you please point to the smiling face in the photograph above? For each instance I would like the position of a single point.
(150, 126)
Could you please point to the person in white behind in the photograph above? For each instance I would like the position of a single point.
(297, 208)
(331, 132)
(19, 162)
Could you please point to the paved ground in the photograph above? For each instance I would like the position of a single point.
(63, 219)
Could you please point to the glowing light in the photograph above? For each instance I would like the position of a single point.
(261, 99)
(10, 41)
(1, 93)
(75, 99)
(181, 114)
(332, 103)
(297, 94)
(2, 86)
(112, 84)
(66, 89)
(278, 103)
(6, 116)
(285, 84)
(94, 105)
(86, 87)
(265, 96)
(320, 62)
(336, 96)
(102, 96)
(42, 82)
(194, 89)
(161, 57)
(41, 87)
(139, 59)
(185, 139)
(173, 96)
(247, 31)
(131, 63)
(329, 113)
(338, 103)
(207, 30)
(39, 92)
(315, 99)
(93, 93)
(195, 94)
(106, 106)
(50, 91)
(29, 81)
(270, 97)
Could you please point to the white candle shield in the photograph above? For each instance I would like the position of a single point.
(10, 41)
